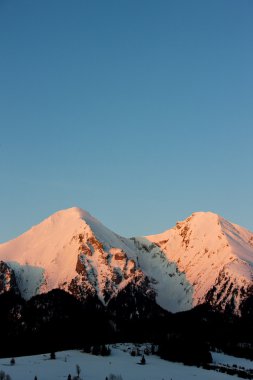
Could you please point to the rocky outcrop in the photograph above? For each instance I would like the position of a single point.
(7, 279)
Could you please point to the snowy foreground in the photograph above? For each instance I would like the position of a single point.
(120, 362)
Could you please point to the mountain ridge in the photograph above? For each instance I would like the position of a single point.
(204, 258)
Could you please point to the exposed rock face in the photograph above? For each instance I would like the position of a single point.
(104, 272)
(7, 279)
(230, 291)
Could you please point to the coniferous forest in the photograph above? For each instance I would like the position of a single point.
(56, 321)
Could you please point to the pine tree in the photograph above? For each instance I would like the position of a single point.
(52, 356)
(4, 376)
(78, 370)
(143, 360)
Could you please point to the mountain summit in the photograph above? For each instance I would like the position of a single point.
(202, 259)
(215, 255)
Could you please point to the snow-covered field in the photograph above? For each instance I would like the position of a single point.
(219, 358)
(120, 362)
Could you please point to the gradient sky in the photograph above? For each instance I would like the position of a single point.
(139, 111)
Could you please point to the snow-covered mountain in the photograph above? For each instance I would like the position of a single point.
(73, 251)
(204, 258)
(215, 255)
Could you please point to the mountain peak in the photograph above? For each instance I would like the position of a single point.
(199, 221)
(212, 252)
(72, 212)
(202, 217)
(205, 214)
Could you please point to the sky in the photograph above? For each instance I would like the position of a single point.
(138, 111)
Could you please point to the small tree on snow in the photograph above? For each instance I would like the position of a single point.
(115, 377)
(143, 360)
(4, 376)
(52, 356)
(78, 371)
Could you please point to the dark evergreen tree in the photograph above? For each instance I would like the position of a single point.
(52, 356)
(87, 348)
(143, 360)
(105, 351)
(95, 350)
(4, 376)
(78, 371)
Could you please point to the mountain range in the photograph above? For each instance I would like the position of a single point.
(203, 259)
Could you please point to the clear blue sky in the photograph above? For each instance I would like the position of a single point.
(139, 111)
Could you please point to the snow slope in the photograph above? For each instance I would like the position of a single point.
(97, 368)
(223, 359)
(174, 292)
(43, 256)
